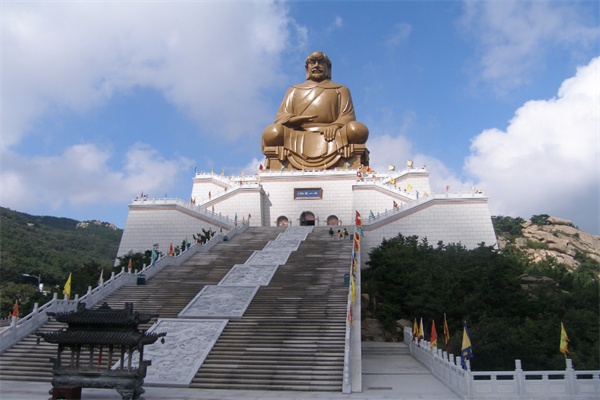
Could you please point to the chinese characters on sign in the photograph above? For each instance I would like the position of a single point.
(308, 194)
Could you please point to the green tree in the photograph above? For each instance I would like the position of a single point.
(408, 278)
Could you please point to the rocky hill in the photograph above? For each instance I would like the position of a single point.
(545, 236)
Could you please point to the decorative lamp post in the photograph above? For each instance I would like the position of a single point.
(39, 279)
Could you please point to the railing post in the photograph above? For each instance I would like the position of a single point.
(570, 377)
(519, 378)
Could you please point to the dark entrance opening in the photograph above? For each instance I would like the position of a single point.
(283, 221)
(333, 220)
(307, 219)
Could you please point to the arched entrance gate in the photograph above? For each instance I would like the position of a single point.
(307, 219)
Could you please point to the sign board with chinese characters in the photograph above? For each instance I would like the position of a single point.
(308, 194)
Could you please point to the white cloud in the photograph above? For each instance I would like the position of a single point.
(81, 177)
(515, 37)
(547, 160)
(75, 56)
(399, 34)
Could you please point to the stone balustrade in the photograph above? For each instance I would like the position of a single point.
(517, 384)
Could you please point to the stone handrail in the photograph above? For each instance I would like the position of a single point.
(517, 384)
(21, 327)
(221, 220)
(402, 208)
(352, 372)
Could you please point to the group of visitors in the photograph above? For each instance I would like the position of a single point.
(339, 234)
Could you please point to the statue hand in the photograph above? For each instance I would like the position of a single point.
(329, 132)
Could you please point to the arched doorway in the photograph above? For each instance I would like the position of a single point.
(333, 220)
(283, 221)
(307, 219)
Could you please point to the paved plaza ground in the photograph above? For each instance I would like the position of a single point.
(398, 377)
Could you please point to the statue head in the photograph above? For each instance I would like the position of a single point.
(318, 66)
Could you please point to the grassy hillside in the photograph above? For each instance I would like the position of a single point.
(52, 247)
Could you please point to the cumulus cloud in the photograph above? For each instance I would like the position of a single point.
(515, 37)
(547, 159)
(81, 176)
(75, 56)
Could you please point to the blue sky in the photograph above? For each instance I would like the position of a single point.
(104, 100)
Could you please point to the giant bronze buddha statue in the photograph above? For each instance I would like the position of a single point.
(315, 127)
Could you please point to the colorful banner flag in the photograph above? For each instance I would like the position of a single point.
(393, 181)
(350, 315)
(358, 229)
(433, 339)
(391, 167)
(421, 330)
(564, 340)
(260, 167)
(415, 330)
(153, 257)
(347, 165)
(395, 204)
(67, 287)
(358, 220)
(352, 288)
(130, 265)
(15, 312)
(282, 168)
(409, 186)
(466, 349)
(371, 215)
(446, 335)
(171, 252)
(409, 163)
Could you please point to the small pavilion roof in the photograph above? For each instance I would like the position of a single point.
(103, 315)
(100, 338)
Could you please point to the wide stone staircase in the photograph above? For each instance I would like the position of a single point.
(166, 294)
(290, 338)
(292, 334)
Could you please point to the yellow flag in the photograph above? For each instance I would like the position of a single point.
(67, 288)
(415, 330)
(391, 167)
(409, 187)
(409, 163)
(352, 288)
(564, 340)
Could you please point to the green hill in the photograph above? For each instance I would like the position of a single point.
(53, 247)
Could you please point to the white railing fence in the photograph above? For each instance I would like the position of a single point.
(518, 384)
(21, 327)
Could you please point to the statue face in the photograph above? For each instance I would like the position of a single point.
(317, 68)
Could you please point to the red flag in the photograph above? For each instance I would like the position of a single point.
(171, 250)
(15, 312)
(446, 334)
(260, 167)
(358, 219)
(433, 339)
(130, 265)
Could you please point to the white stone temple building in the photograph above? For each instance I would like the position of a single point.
(389, 203)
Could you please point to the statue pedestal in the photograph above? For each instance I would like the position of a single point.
(278, 158)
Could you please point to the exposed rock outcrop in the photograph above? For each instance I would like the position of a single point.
(559, 239)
